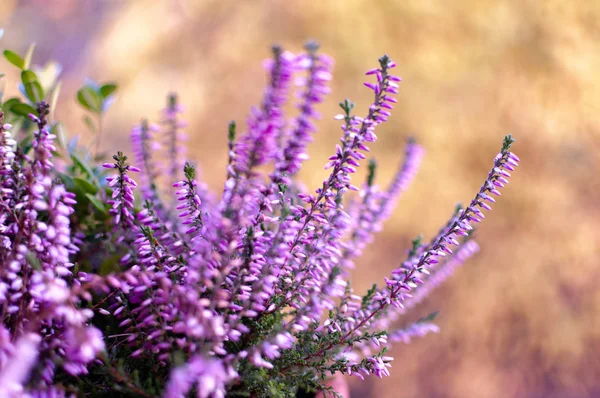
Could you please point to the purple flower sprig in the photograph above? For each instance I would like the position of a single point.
(174, 136)
(190, 210)
(143, 147)
(122, 200)
(249, 295)
(504, 162)
(377, 206)
(259, 143)
(357, 131)
(315, 88)
(398, 289)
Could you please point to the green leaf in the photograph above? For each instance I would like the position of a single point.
(22, 109)
(82, 165)
(96, 203)
(34, 92)
(28, 76)
(33, 88)
(90, 123)
(14, 59)
(89, 99)
(429, 317)
(107, 89)
(84, 185)
(10, 103)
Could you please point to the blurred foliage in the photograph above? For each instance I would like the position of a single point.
(521, 319)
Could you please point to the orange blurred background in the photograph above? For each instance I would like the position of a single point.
(521, 319)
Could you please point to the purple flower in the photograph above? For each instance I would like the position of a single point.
(174, 137)
(16, 368)
(249, 295)
(122, 198)
(210, 377)
(259, 144)
(297, 138)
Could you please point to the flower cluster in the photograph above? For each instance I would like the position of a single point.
(45, 324)
(175, 293)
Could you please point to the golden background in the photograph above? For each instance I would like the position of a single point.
(521, 319)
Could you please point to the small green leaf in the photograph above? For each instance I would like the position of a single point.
(429, 317)
(82, 165)
(231, 131)
(96, 203)
(22, 109)
(89, 99)
(28, 76)
(90, 123)
(34, 92)
(14, 59)
(84, 185)
(10, 103)
(107, 89)
(33, 88)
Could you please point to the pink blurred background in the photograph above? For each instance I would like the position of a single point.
(522, 319)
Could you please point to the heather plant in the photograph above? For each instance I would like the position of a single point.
(127, 277)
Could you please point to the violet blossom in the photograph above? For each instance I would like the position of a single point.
(174, 293)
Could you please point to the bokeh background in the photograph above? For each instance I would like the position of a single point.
(522, 319)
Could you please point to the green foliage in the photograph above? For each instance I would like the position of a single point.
(21, 109)
(429, 318)
(189, 171)
(347, 107)
(14, 59)
(507, 143)
(96, 98)
(33, 88)
(231, 131)
(107, 89)
(372, 169)
(90, 99)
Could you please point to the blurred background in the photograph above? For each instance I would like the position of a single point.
(521, 319)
